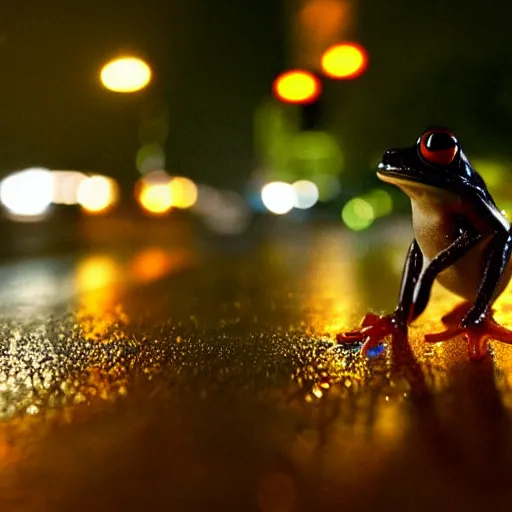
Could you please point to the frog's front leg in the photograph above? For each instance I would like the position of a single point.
(375, 328)
(414, 293)
(478, 325)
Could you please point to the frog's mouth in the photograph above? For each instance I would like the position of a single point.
(402, 167)
(398, 175)
(410, 181)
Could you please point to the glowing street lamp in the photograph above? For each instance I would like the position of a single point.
(297, 86)
(125, 74)
(344, 61)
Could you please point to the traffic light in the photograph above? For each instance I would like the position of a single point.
(297, 86)
(304, 88)
(344, 61)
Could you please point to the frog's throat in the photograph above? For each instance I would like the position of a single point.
(415, 189)
(401, 180)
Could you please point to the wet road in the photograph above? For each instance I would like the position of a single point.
(190, 372)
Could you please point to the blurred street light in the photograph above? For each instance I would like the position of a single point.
(297, 86)
(306, 194)
(65, 186)
(97, 194)
(126, 74)
(358, 214)
(27, 193)
(345, 61)
(222, 211)
(183, 192)
(155, 198)
(278, 197)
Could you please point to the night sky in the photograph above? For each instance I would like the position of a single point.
(442, 61)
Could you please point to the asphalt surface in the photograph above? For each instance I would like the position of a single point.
(164, 368)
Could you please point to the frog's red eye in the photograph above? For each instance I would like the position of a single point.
(438, 146)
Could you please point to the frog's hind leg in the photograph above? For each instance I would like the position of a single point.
(452, 321)
(477, 336)
(456, 315)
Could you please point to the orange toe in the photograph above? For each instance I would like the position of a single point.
(476, 336)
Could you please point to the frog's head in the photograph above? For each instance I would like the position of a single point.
(435, 161)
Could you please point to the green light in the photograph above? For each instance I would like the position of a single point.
(358, 214)
(150, 157)
(274, 126)
(314, 152)
(380, 201)
(328, 186)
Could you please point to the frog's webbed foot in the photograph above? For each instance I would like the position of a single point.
(372, 332)
(476, 335)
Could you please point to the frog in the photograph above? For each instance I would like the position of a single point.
(461, 240)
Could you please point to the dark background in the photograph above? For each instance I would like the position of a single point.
(441, 62)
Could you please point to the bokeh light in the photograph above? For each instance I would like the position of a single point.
(358, 214)
(97, 194)
(222, 211)
(313, 152)
(155, 198)
(65, 186)
(150, 157)
(99, 279)
(380, 201)
(278, 197)
(346, 60)
(96, 272)
(125, 74)
(297, 86)
(27, 193)
(183, 192)
(328, 186)
(306, 194)
(152, 263)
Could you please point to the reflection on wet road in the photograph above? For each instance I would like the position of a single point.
(196, 377)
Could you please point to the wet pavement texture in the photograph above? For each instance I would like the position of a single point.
(200, 373)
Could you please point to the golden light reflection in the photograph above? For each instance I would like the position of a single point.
(438, 356)
(154, 262)
(333, 293)
(336, 300)
(125, 75)
(98, 283)
(97, 194)
(96, 272)
(501, 351)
